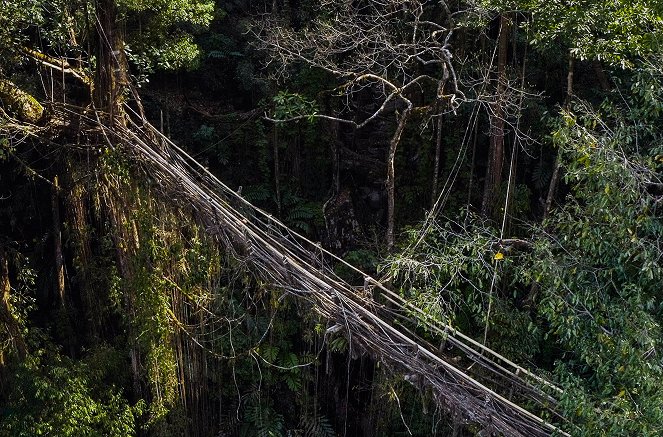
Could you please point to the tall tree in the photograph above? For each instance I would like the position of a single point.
(496, 117)
(388, 50)
(112, 75)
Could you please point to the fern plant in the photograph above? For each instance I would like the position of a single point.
(316, 425)
(299, 214)
(260, 420)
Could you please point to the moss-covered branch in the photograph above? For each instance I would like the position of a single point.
(19, 102)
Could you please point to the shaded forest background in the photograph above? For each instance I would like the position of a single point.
(497, 162)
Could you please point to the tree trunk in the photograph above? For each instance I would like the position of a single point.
(438, 154)
(277, 172)
(554, 180)
(393, 145)
(569, 81)
(26, 107)
(57, 240)
(8, 323)
(111, 78)
(336, 145)
(494, 170)
(601, 77)
(475, 137)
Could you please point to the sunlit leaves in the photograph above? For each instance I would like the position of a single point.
(17, 15)
(54, 396)
(161, 31)
(616, 32)
(598, 264)
(458, 271)
(170, 12)
(288, 105)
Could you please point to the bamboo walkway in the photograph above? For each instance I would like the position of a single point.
(482, 388)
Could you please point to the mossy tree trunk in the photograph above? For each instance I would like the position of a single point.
(8, 322)
(111, 78)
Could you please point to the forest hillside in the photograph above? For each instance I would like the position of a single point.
(331, 218)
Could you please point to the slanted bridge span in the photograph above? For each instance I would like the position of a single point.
(483, 388)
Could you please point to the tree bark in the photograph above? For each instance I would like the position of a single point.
(554, 180)
(277, 172)
(601, 77)
(8, 322)
(336, 145)
(569, 81)
(26, 107)
(57, 240)
(438, 133)
(496, 161)
(391, 179)
(438, 154)
(111, 79)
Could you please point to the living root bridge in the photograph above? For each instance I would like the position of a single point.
(483, 388)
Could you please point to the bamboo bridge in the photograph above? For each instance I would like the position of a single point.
(482, 389)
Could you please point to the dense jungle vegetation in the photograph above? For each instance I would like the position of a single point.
(496, 162)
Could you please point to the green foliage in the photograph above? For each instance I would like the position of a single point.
(600, 274)
(595, 263)
(169, 13)
(63, 23)
(222, 47)
(160, 32)
(458, 272)
(301, 215)
(261, 421)
(616, 32)
(399, 404)
(584, 293)
(161, 36)
(541, 175)
(284, 367)
(338, 344)
(289, 105)
(205, 134)
(174, 53)
(364, 259)
(257, 194)
(21, 300)
(317, 426)
(240, 148)
(52, 395)
(5, 149)
(17, 16)
(58, 23)
(437, 279)
(164, 264)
